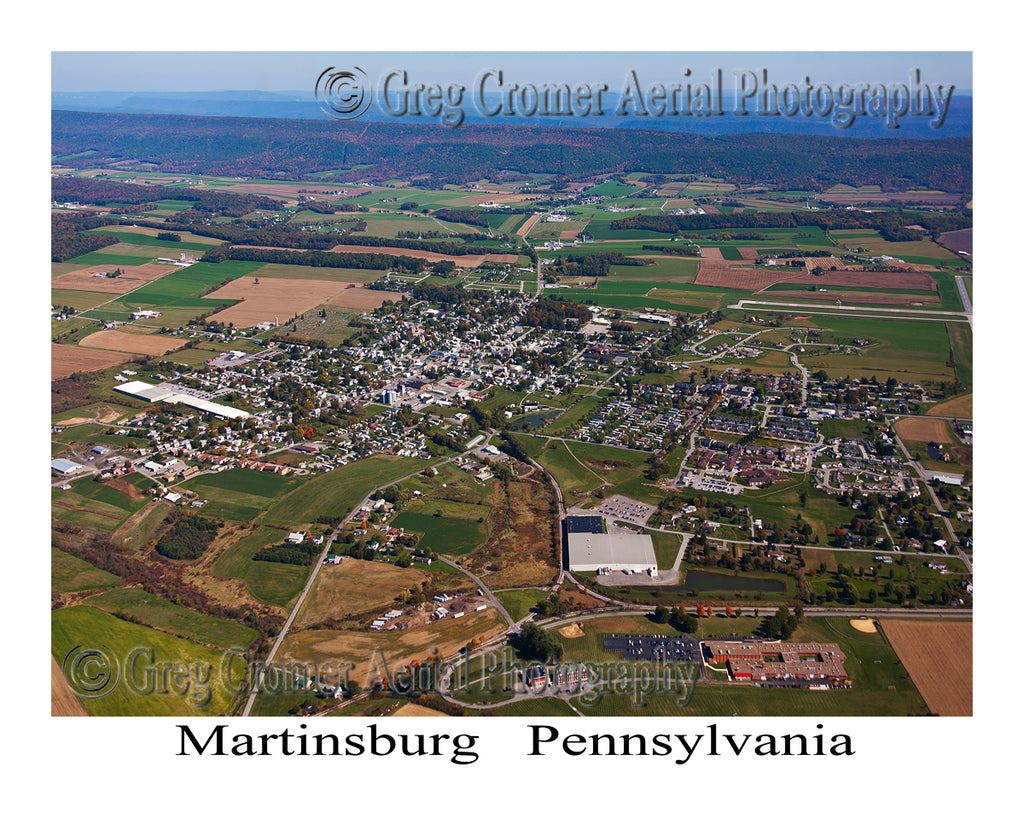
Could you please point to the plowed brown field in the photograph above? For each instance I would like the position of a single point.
(939, 658)
(123, 342)
(66, 359)
(132, 277)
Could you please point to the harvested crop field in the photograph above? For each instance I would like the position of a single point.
(711, 253)
(925, 429)
(66, 359)
(123, 342)
(264, 299)
(715, 273)
(362, 299)
(739, 276)
(132, 277)
(527, 226)
(960, 407)
(355, 587)
(938, 655)
(430, 256)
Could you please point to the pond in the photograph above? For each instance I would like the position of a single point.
(697, 580)
(535, 420)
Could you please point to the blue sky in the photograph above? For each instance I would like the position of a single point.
(297, 71)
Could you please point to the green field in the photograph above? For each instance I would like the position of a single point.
(337, 492)
(108, 507)
(71, 574)
(448, 528)
(240, 494)
(141, 689)
(182, 622)
(276, 584)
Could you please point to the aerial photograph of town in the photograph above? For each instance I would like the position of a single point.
(441, 388)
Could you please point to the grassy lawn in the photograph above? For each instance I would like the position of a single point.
(83, 627)
(519, 602)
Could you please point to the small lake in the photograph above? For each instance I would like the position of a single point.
(535, 420)
(697, 580)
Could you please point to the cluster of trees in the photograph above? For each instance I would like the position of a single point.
(551, 313)
(675, 617)
(592, 264)
(674, 250)
(534, 643)
(315, 258)
(188, 537)
(297, 554)
(104, 192)
(68, 238)
(892, 225)
(782, 624)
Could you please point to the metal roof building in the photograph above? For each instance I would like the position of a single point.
(177, 395)
(64, 466)
(589, 552)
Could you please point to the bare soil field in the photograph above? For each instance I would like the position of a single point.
(527, 226)
(430, 256)
(957, 240)
(363, 299)
(132, 342)
(720, 273)
(715, 273)
(749, 254)
(354, 587)
(939, 657)
(66, 359)
(960, 407)
(711, 253)
(867, 626)
(925, 430)
(132, 277)
(367, 649)
(265, 299)
(570, 631)
(63, 702)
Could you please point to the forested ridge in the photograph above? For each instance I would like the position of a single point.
(293, 148)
